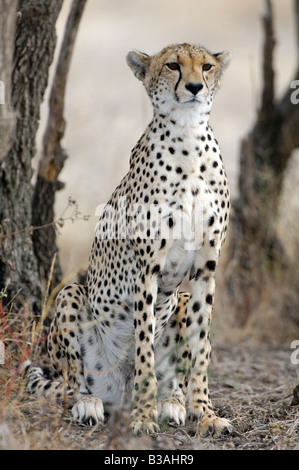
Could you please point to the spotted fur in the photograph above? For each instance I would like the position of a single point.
(130, 330)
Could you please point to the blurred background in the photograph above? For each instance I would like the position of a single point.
(107, 108)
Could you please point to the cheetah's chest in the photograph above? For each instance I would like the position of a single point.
(178, 262)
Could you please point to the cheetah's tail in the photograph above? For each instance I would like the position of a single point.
(40, 381)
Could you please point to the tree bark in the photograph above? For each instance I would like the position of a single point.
(254, 246)
(35, 41)
(8, 19)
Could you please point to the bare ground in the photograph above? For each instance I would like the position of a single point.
(250, 385)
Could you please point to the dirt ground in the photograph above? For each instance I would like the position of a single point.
(251, 386)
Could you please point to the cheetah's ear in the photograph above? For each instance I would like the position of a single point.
(223, 58)
(138, 63)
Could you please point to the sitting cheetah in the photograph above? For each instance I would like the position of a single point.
(130, 330)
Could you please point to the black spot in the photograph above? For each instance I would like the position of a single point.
(211, 265)
(34, 383)
(196, 307)
(149, 299)
(209, 299)
(211, 221)
(163, 243)
(48, 385)
(141, 336)
(156, 269)
(90, 380)
(170, 222)
(198, 274)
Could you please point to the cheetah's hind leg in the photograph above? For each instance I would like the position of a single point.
(65, 351)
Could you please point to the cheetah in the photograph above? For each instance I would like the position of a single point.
(130, 331)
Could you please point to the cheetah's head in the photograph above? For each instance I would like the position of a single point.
(181, 78)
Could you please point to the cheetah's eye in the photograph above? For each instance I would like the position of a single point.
(207, 67)
(173, 66)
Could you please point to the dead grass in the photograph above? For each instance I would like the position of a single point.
(251, 385)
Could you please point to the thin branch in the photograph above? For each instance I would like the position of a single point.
(267, 104)
(297, 23)
(53, 155)
(288, 106)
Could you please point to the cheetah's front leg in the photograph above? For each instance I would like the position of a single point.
(144, 414)
(199, 315)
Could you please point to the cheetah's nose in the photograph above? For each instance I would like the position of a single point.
(194, 88)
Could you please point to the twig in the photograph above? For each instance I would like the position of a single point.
(53, 155)
(75, 215)
(267, 104)
(297, 24)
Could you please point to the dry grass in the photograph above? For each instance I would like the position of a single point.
(251, 385)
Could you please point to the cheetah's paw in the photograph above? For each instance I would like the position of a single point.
(214, 426)
(144, 422)
(172, 411)
(209, 423)
(88, 410)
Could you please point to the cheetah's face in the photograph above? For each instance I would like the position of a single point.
(180, 77)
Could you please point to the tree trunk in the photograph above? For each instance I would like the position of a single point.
(254, 248)
(35, 41)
